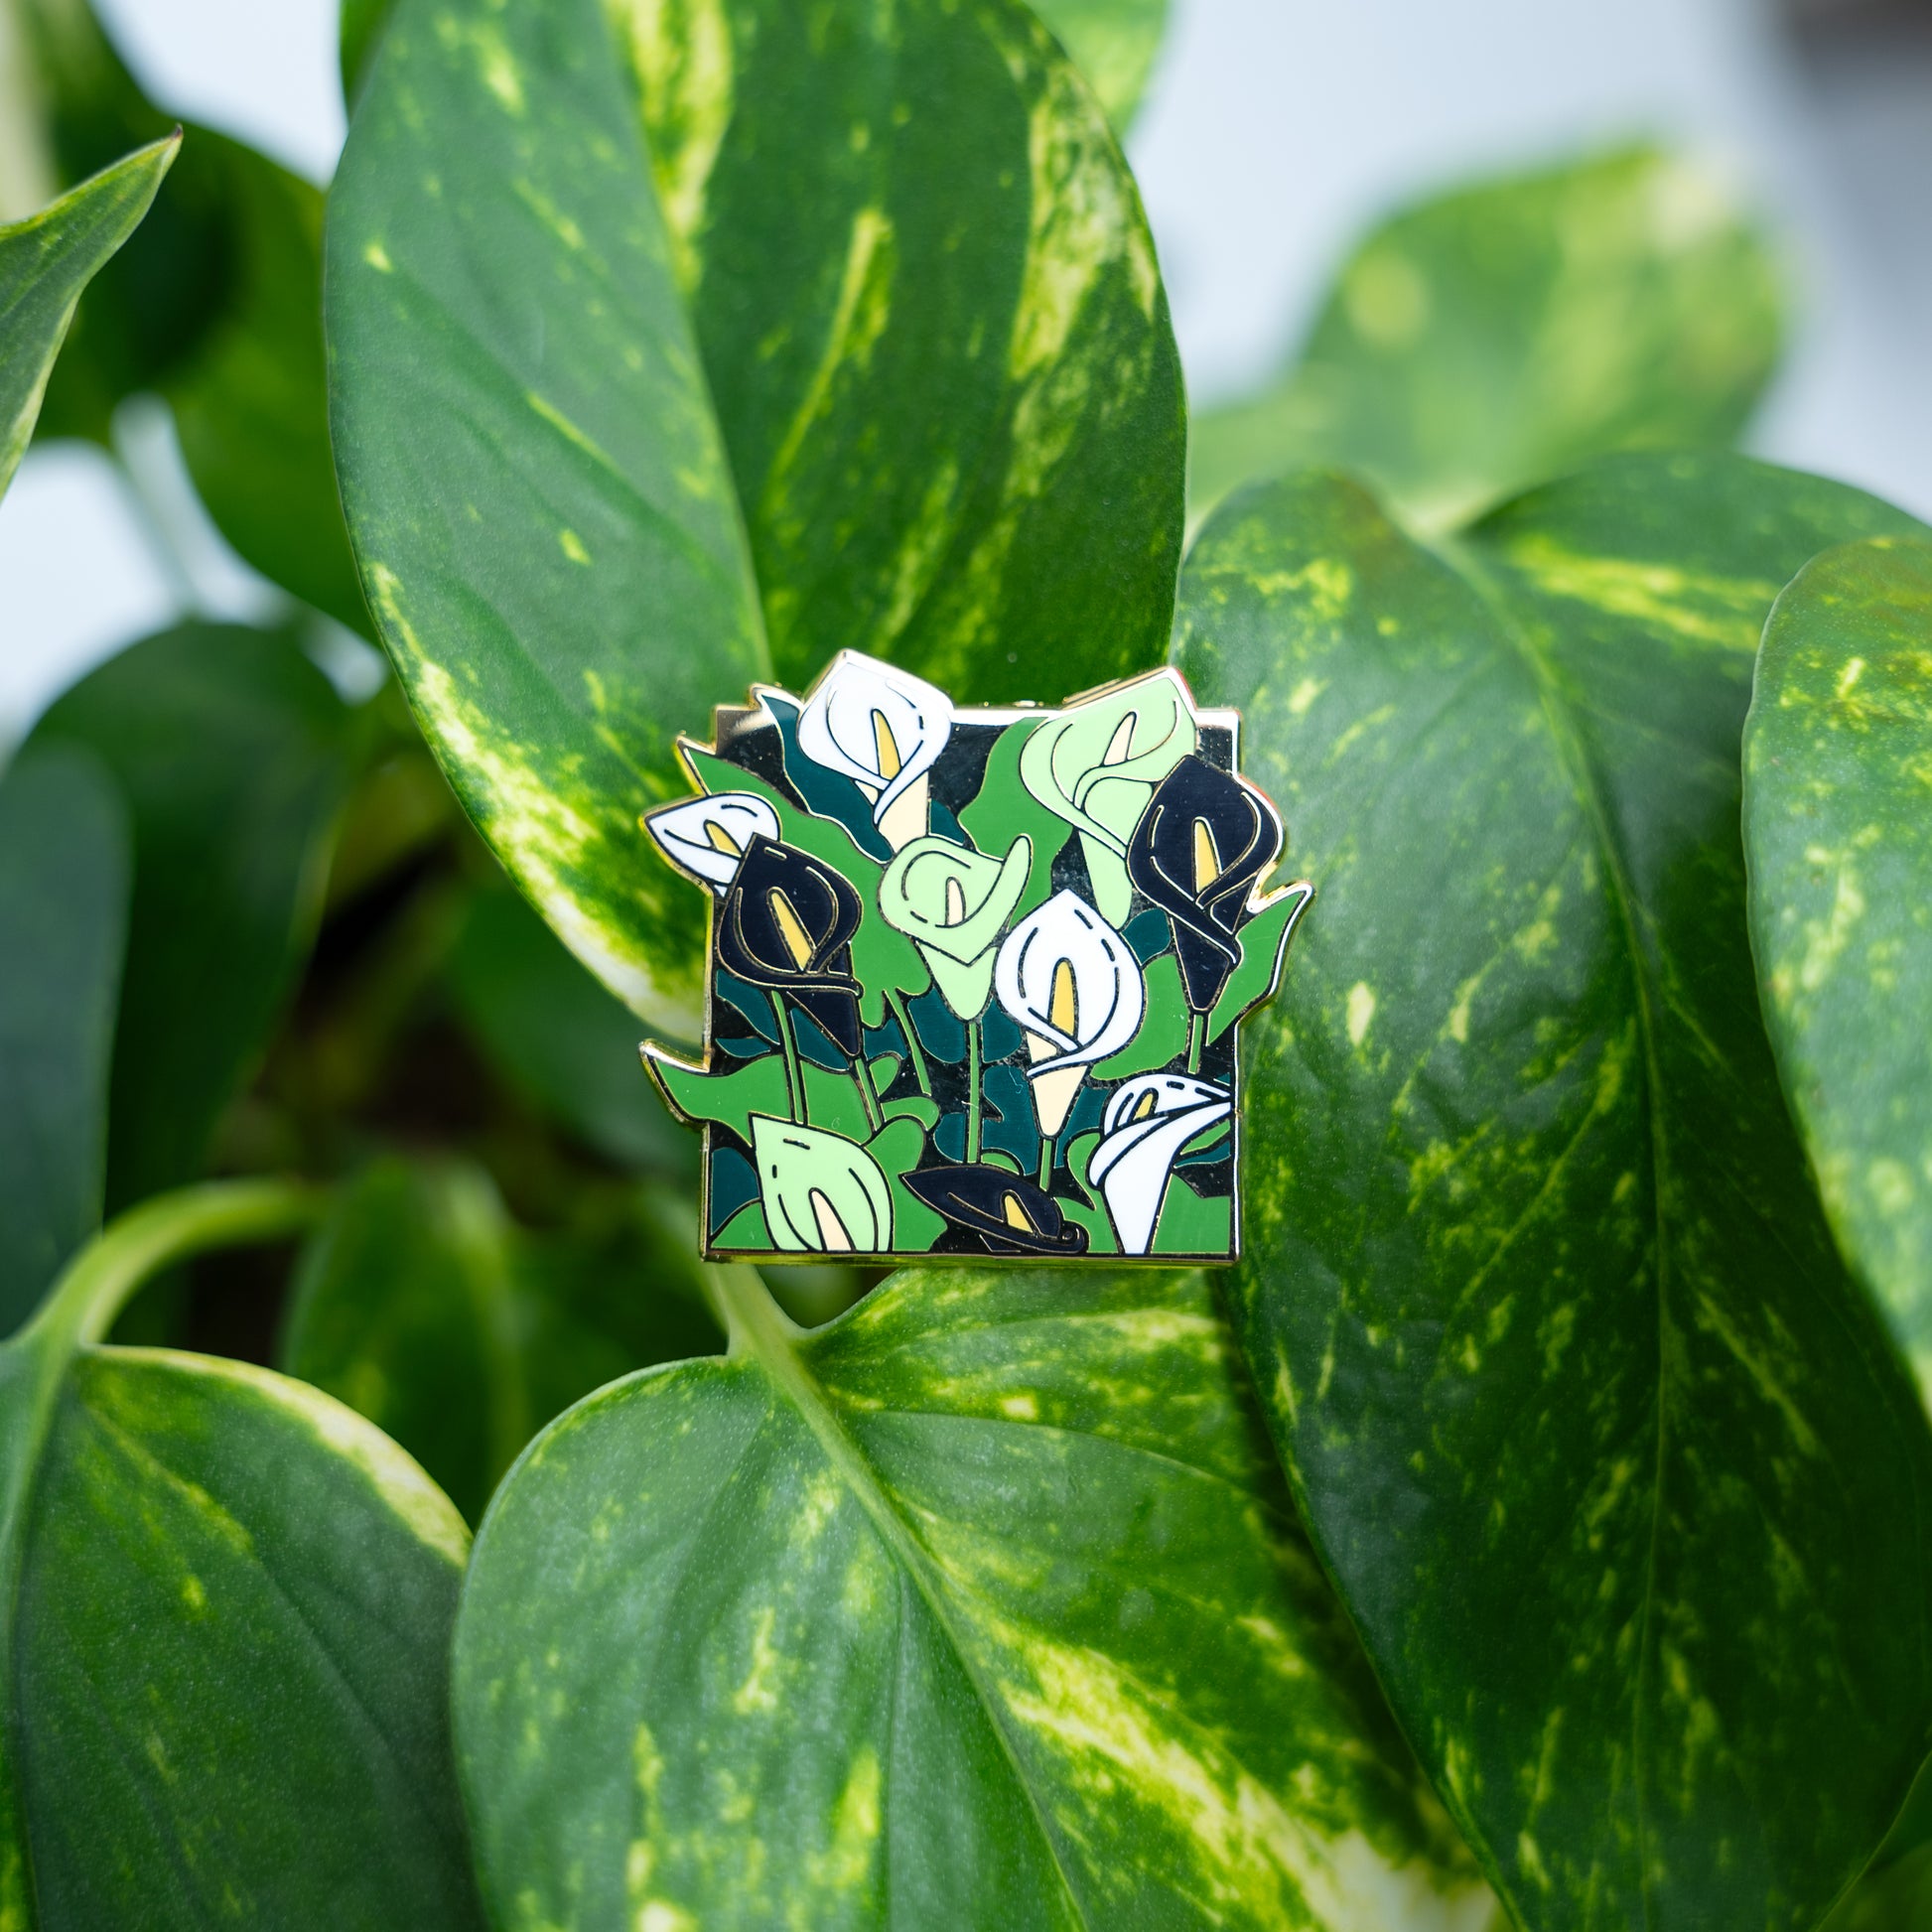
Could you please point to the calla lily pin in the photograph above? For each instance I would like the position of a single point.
(1074, 987)
(875, 854)
(1011, 1216)
(884, 729)
(1205, 842)
(1147, 1124)
(1097, 764)
(821, 1193)
(708, 837)
(786, 925)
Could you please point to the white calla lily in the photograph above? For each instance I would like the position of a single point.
(1074, 987)
(707, 837)
(1149, 1121)
(883, 729)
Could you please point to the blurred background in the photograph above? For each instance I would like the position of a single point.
(1272, 134)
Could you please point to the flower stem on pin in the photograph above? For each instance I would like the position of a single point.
(973, 1079)
(921, 1071)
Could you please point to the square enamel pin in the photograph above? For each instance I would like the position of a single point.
(973, 974)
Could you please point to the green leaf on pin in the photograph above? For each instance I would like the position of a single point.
(756, 364)
(1645, 1479)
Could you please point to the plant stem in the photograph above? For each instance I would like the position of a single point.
(1049, 1146)
(973, 1074)
(1196, 1031)
(794, 1072)
(921, 1071)
(868, 1093)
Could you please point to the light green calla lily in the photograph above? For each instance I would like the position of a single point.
(821, 1193)
(1097, 764)
(953, 904)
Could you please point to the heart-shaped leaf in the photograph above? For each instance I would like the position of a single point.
(981, 1606)
(233, 753)
(1489, 338)
(216, 305)
(273, 1741)
(1606, 1453)
(677, 348)
(272, 1744)
(63, 888)
(45, 263)
(1838, 826)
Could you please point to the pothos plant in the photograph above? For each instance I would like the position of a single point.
(1528, 1524)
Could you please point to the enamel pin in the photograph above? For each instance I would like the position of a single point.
(973, 974)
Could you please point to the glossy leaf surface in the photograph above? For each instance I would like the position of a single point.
(1838, 827)
(217, 306)
(1490, 338)
(871, 352)
(980, 1606)
(45, 263)
(1612, 1462)
(233, 753)
(273, 1745)
(64, 890)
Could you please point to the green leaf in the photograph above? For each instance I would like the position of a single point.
(1838, 827)
(272, 1745)
(45, 263)
(424, 1308)
(597, 1300)
(403, 1308)
(872, 352)
(33, 1366)
(64, 890)
(215, 303)
(1494, 335)
(233, 753)
(252, 401)
(1113, 43)
(981, 1606)
(1605, 1452)
(554, 1034)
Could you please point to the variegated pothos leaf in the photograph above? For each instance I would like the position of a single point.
(1838, 828)
(676, 347)
(1615, 1467)
(981, 1606)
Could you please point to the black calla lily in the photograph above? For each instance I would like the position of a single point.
(1196, 853)
(786, 925)
(1011, 1215)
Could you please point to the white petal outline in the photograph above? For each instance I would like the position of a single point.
(680, 832)
(1134, 1162)
(835, 726)
(1110, 997)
